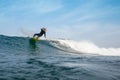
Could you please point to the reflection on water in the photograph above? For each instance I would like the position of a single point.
(32, 44)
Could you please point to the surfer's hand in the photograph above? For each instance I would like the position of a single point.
(45, 38)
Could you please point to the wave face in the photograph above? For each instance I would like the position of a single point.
(56, 59)
(82, 47)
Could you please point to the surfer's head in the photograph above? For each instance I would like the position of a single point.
(44, 29)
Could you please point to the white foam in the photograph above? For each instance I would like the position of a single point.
(86, 47)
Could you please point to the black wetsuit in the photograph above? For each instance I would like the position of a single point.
(40, 34)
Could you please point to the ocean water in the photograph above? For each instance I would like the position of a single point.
(57, 59)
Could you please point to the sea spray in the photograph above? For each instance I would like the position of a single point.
(85, 47)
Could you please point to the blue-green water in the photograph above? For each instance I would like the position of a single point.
(55, 60)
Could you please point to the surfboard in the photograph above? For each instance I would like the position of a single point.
(33, 41)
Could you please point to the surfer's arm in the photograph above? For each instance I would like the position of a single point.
(45, 34)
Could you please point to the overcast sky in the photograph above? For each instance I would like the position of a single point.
(94, 20)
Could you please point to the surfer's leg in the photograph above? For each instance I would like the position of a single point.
(39, 35)
(35, 35)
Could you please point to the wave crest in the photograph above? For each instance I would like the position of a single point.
(84, 47)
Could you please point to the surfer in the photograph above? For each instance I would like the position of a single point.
(43, 31)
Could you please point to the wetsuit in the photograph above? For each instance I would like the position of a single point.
(40, 34)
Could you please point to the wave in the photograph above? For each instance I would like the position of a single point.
(84, 47)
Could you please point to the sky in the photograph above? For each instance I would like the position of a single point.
(93, 20)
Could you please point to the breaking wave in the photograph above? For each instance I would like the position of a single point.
(84, 47)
